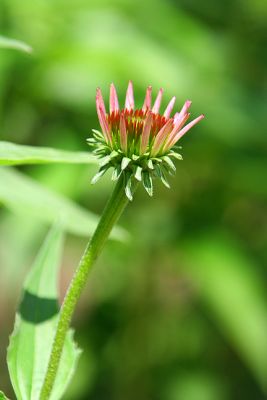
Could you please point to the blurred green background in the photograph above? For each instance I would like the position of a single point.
(179, 312)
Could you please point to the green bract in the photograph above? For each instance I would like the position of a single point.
(142, 167)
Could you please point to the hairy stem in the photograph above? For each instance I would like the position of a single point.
(110, 216)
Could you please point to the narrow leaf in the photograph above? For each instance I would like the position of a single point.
(15, 154)
(116, 173)
(178, 156)
(150, 164)
(98, 175)
(128, 186)
(23, 195)
(97, 134)
(125, 162)
(231, 287)
(2, 396)
(169, 162)
(160, 174)
(138, 173)
(31, 342)
(147, 182)
(14, 44)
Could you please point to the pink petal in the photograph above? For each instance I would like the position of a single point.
(169, 108)
(178, 125)
(180, 120)
(99, 100)
(157, 103)
(186, 107)
(161, 136)
(129, 102)
(181, 117)
(146, 132)
(113, 100)
(147, 102)
(175, 118)
(104, 123)
(186, 129)
(123, 133)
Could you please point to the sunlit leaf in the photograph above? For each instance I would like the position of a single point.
(2, 396)
(36, 319)
(14, 154)
(23, 195)
(14, 44)
(230, 285)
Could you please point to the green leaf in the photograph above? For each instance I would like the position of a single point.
(138, 173)
(99, 174)
(150, 164)
(116, 173)
(23, 195)
(128, 185)
(147, 182)
(160, 174)
(14, 44)
(15, 154)
(178, 156)
(230, 286)
(36, 320)
(169, 162)
(2, 396)
(125, 162)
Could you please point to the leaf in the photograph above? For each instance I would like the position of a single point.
(128, 185)
(169, 162)
(14, 44)
(15, 154)
(116, 173)
(150, 164)
(32, 338)
(147, 183)
(160, 174)
(125, 162)
(138, 173)
(231, 287)
(23, 195)
(99, 174)
(2, 396)
(177, 156)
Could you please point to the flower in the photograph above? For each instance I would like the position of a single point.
(139, 143)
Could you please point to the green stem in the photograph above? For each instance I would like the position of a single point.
(110, 216)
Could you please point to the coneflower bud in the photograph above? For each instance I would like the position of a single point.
(138, 143)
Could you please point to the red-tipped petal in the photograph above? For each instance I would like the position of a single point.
(186, 129)
(180, 121)
(99, 100)
(147, 102)
(157, 103)
(123, 133)
(113, 100)
(186, 107)
(104, 124)
(169, 108)
(129, 102)
(146, 132)
(161, 136)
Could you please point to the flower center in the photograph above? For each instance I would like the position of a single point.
(134, 120)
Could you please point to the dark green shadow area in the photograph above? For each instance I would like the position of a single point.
(36, 309)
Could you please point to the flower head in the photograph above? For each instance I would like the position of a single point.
(139, 143)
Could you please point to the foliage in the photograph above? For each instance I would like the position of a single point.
(14, 44)
(31, 341)
(14, 154)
